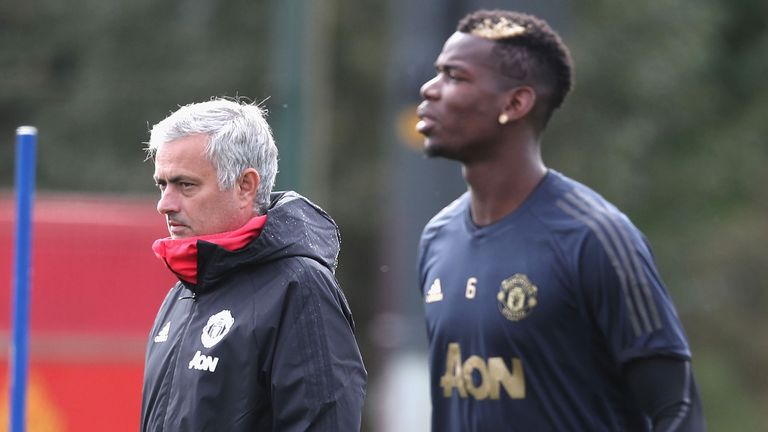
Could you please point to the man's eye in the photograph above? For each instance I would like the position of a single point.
(160, 186)
(185, 185)
(450, 76)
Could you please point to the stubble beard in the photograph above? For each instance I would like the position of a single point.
(440, 151)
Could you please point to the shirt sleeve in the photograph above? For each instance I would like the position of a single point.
(625, 294)
(421, 262)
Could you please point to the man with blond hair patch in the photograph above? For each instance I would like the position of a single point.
(544, 308)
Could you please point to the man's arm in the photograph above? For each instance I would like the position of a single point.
(318, 378)
(665, 390)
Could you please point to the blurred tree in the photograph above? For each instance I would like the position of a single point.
(93, 75)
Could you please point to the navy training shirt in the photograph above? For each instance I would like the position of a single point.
(531, 318)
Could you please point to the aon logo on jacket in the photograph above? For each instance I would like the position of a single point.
(203, 362)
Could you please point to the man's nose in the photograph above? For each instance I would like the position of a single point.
(168, 202)
(429, 90)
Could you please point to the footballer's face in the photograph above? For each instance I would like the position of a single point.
(462, 103)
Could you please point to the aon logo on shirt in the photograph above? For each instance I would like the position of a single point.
(479, 378)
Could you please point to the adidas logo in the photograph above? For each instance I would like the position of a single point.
(435, 292)
(162, 335)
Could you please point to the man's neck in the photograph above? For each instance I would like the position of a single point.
(498, 186)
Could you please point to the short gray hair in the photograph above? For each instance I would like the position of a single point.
(239, 138)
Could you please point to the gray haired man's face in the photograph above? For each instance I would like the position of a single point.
(190, 198)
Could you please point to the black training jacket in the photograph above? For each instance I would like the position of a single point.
(264, 341)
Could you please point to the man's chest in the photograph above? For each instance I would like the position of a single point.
(502, 289)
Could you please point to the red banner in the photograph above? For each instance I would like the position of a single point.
(96, 286)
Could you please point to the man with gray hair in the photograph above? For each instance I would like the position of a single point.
(257, 334)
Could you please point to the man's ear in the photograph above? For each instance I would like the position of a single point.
(247, 185)
(519, 102)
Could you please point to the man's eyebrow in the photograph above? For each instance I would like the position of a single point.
(448, 67)
(174, 179)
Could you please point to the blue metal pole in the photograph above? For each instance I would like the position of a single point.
(26, 143)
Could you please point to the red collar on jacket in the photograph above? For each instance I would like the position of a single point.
(180, 255)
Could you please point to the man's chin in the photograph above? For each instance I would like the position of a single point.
(180, 232)
(431, 149)
(435, 150)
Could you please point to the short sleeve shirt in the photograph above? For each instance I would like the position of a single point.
(531, 318)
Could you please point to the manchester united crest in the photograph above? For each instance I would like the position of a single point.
(218, 326)
(517, 297)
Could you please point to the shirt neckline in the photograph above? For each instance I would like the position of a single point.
(506, 221)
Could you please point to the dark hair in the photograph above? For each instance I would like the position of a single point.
(529, 51)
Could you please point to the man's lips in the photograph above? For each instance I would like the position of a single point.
(176, 226)
(426, 122)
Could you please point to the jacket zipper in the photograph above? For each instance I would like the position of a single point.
(177, 348)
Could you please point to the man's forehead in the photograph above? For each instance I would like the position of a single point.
(183, 157)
